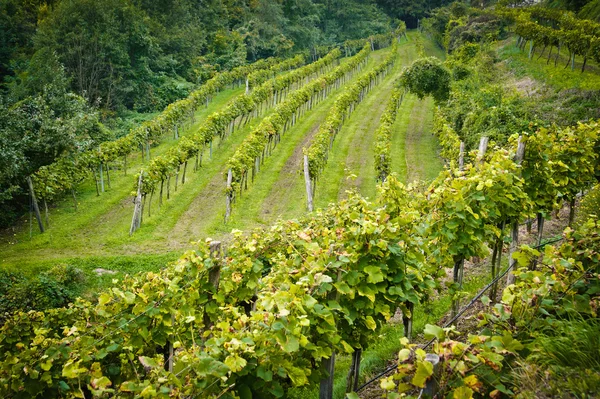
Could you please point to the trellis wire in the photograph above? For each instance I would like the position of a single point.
(458, 315)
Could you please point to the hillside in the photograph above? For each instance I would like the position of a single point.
(100, 227)
(411, 213)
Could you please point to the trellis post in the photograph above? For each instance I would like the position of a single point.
(510, 279)
(307, 182)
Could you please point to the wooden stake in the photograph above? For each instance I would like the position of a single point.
(354, 372)
(510, 279)
(307, 182)
(34, 202)
(461, 156)
(483, 144)
(229, 195)
(137, 208)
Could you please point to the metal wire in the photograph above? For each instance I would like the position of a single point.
(458, 315)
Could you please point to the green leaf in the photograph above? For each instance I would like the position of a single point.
(403, 355)
(370, 323)
(245, 392)
(291, 345)
(387, 384)
(297, 375)
(485, 300)
(235, 363)
(263, 373)
(424, 371)
(104, 299)
(148, 362)
(432, 331)
(375, 274)
(352, 395)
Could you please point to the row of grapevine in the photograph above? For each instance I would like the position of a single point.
(67, 172)
(212, 324)
(272, 313)
(580, 37)
(222, 123)
(383, 135)
(267, 134)
(317, 153)
(262, 75)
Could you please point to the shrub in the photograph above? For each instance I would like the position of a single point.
(52, 289)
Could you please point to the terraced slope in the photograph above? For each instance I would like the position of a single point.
(97, 235)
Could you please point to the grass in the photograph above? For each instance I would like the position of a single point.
(557, 77)
(96, 236)
(77, 230)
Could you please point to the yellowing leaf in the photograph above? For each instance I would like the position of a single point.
(424, 371)
(463, 393)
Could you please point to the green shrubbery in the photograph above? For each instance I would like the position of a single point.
(52, 289)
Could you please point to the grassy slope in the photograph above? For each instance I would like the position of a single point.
(414, 147)
(82, 232)
(279, 192)
(412, 144)
(97, 237)
(248, 210)
(537, 68)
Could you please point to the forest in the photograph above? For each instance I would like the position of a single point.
(299, 198)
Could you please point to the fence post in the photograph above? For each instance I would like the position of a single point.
(214, 275)
(354, 372)
(229, 195)
(458, 278)
(483, 144)
(36, 208)
(461, 156)
(326, 387)
(510, 279)
(137, 207)
(307, 182)
(408, 321)
(432, 386)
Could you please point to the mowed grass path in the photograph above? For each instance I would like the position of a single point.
(98, 232)
(85, 231)
(414, 147)
(249, 209)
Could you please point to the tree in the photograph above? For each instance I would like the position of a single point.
(428, 76)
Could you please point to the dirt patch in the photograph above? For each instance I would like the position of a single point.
(526, 86)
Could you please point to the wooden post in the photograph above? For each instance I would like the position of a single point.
(307, 182)
(137, 208)
(326, 387)
(431, 386)
(229, 195)
(461, 156)
(214, 275)
(510, 279)
(571, 212)
(247, 85)
(408, 321)
(354, 372)
(36, 208)
(483, 144)
(101, 178)
(458, 278)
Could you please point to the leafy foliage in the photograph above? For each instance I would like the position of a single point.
(427, 76)
(318, 150)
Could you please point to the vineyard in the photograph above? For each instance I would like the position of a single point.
(319, 225)
(188, 153)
